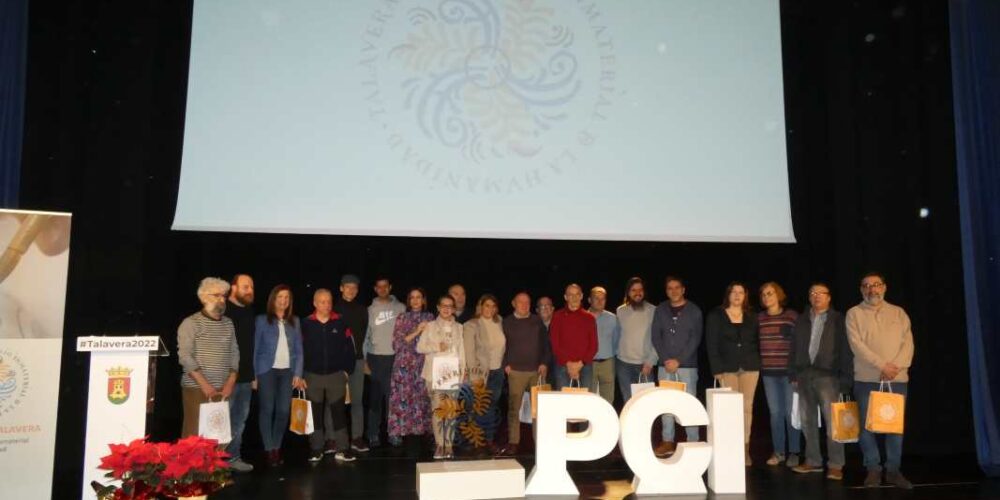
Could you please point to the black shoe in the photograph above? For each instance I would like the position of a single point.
(345, 456)
(315, 456)
(896, 479)
(873, 479)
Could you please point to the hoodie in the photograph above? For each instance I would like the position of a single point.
(381, 321)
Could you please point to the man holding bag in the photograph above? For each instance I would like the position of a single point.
(880, 337)
(821, 368)
(207, 352)
(328, 350)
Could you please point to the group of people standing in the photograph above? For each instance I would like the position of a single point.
(821, 355)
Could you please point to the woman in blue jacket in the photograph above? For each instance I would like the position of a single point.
(277, 364)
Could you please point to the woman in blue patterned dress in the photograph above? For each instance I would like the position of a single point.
(409, 407)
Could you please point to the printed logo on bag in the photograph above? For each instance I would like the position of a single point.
(217, 422)
(847, 420)
(14, 381)
(300, 414)
(119, 384)
(886, 412)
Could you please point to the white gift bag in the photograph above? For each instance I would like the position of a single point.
(641, 385)
(445, 374)
(797, 415)
(213, 421)
(525, 414)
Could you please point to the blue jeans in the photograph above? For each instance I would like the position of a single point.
(690, 377)
(869, 446)
(627, 374)
(378, 396)
(239, 410)
(586, 376)
(274, 388)
(778, 390)
(495, 383)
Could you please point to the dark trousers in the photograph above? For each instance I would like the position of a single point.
(378, 397)
(326, 394)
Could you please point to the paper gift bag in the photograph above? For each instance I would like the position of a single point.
(885, 411)
(576, 388)
(524, 415)
(445, 374)
(797, 412)
(213, 421)
(673, 381)
(535, 389)
(641, 385)
(301, 421)
(846, 421)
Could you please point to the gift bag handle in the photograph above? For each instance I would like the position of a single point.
(884, 383)
(221, 398)
(643, 376)
(718, 383)
(577, 380)
(844, 398)
(540, 381)
(302, 392)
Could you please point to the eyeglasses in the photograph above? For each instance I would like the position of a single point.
(217, 296)
(872, 286)
(818, 293)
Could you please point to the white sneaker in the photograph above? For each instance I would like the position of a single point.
(239, 465)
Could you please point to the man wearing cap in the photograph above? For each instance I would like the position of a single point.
(356, 316)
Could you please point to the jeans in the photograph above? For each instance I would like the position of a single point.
(495, 382)
(239, 410)
(274, 389)
(690, 377)
(778, 390)
(869, 445)
(378, 402)
(357, 400)
(586, 375)
(818, 389)
(627, 374)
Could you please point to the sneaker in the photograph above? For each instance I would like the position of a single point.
(315, 456)
(896, 479)
(665, 449)
(360, 445)
(792, 460)
(439, 453)
(510, 450)
(873, 479)
(835, 473)
(395, 441)
(273, 458)
(238, 465)
(806, 468)
(449, 452)
(331, 447)
(345, 456)
(775, 459)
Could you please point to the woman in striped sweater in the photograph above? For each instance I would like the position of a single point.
(775, 323)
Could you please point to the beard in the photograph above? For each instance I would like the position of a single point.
(636, 302)
(874, 299)
(218, 308)
(245, 298)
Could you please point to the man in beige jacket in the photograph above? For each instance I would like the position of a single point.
(880, 336)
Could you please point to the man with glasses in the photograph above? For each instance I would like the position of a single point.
(207, 352)
(573, 333)
(880, 337)
(820, 369)
(544, 309)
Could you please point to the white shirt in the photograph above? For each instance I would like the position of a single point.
(282, 359)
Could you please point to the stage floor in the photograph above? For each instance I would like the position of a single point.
(390, 473)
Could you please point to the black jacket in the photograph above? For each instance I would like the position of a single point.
(356, 316)
(327, 347)
(731, 347)
(244, 322)
(834, 357)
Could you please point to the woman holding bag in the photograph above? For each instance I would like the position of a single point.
(489, 343)
(775, 327)
(733, 354)
(442, 339)
(277, 364)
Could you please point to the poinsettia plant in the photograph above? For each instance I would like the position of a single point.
(192, 466)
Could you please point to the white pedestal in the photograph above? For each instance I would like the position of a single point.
(468, 480)
(727, 472)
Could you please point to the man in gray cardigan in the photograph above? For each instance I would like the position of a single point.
(821, 368)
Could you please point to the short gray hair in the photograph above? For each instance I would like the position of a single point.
(209, 284)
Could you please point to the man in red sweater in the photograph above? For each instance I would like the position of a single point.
(573, 333)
